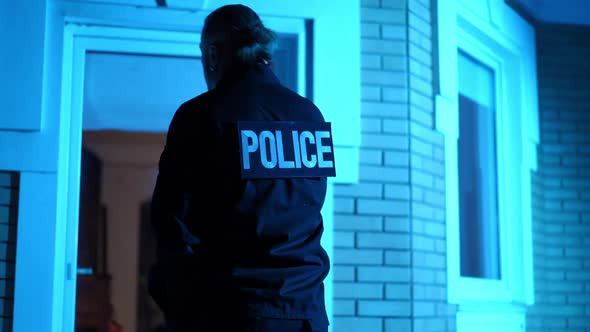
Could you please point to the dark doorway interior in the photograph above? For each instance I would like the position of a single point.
(93, 303)
(149, 316)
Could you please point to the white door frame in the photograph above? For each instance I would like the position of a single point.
(77, 42)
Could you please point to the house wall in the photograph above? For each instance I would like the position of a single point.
(562, 185)
(389, 241)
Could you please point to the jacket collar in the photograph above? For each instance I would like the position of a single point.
(259, 73)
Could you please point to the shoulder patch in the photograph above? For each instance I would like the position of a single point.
(286, 149)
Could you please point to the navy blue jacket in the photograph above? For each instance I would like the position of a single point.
(231, 246)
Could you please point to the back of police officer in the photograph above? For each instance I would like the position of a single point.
(236, 254)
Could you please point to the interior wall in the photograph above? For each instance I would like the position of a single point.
(128, 178)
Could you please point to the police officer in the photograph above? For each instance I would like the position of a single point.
(239, 247)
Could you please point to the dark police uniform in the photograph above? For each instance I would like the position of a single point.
(234, 251)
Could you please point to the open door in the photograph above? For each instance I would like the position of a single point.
(93, 301)
(130, 90)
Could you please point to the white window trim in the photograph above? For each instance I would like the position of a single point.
(477, 288)
(515, 78)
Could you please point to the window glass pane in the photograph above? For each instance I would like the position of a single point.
(478, 194)
(285, 60)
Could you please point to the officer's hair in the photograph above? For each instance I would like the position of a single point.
(240, 30)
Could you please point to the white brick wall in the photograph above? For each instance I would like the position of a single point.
(389, 259)
(561, 198)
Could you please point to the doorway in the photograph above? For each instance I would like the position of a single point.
(128, 91)
(116, 250)
(128, 99)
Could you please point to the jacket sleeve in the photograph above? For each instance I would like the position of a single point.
(168, 196)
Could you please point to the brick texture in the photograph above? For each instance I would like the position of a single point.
(561, 187)
(389, 258)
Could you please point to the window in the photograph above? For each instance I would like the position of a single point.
(486, 108)
(477, 167)
(286, 61)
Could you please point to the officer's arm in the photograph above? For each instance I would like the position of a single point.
(167, 199)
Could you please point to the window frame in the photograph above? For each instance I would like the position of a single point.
(494, 204)
(472, 288)
(510, 57)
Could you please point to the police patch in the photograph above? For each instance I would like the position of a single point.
(286, 149)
